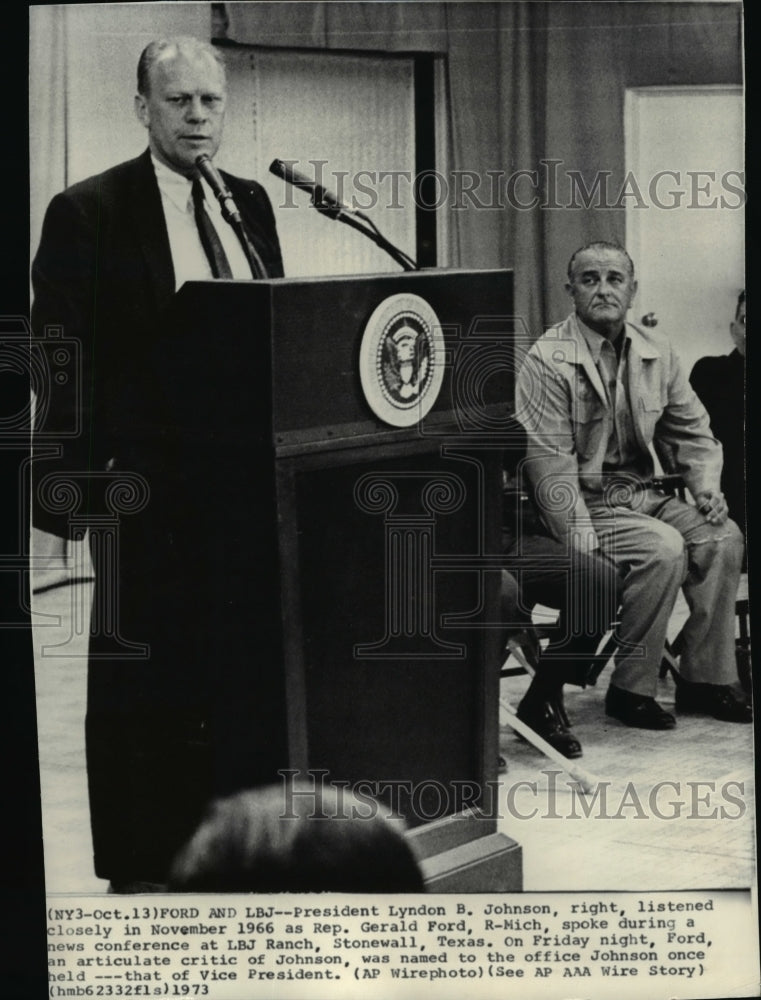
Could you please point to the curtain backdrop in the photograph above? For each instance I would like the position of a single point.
(533, 87)
(382, 27)
(47, 89)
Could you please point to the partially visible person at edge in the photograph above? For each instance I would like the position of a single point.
(719, 381)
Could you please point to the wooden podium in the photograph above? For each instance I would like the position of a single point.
(349, 567)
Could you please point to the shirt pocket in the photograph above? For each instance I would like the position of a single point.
(588, 419)
(650, 409)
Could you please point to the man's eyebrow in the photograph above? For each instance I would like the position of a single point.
(593, 271)
(210, 92)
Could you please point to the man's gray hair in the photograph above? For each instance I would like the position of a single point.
(600, 245)
(182, 45)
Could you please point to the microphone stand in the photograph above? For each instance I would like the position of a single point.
(370, 230)
(254, 260)
(231, 213)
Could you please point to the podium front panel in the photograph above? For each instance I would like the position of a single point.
(316, 393)
(387, 557)
(346, 560)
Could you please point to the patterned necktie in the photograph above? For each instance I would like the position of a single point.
(220, 266)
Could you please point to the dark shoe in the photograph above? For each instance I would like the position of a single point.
(547, 686)
(637, 710)
(542, 717)
(718, 700)
(558, 704)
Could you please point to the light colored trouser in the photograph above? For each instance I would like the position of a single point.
(659, 544)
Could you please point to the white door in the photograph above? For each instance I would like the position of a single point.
(685, 211)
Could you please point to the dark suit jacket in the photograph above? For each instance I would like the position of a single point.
(720, 383)
(104, 273)
(189, 716)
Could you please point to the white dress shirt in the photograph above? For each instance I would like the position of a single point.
(188, 256)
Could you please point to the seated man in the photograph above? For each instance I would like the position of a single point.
(720, 383)
(582, 586)
(594, 393)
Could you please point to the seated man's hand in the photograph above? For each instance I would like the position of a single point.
(712, 506)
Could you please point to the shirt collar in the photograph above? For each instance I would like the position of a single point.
(596, 340)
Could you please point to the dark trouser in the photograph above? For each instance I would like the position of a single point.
(200, 712)
(584, 589)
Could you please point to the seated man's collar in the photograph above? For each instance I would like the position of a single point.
(596, 340)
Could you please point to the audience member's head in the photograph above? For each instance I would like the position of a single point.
(737, 327)
(297, 838)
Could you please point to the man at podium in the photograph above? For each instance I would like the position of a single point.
(114, 250)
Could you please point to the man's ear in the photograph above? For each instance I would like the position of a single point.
(569, 288)
(635, 286)
(141, 110)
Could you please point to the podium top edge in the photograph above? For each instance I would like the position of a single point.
(384, 275)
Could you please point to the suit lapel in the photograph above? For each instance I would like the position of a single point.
(147, 216)
(243, 196)
(253, 211)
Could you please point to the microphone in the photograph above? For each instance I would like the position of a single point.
(327, 204)
(231, 214)
(322, 199)
(214, 179)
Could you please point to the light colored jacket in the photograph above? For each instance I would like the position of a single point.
(561, 401)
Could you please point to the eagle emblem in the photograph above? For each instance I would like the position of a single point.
(405, 361)
(402, 360)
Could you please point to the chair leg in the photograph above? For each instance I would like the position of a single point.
(669, 662)
(524, 646)
(607, 650)
(742, 643)
(742, 657)
(516, 650)
(585, 779)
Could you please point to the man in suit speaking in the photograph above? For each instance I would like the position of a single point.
(114, 250)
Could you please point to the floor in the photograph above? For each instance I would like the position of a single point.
(60, 621)
(668, 810)
(695, 832)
